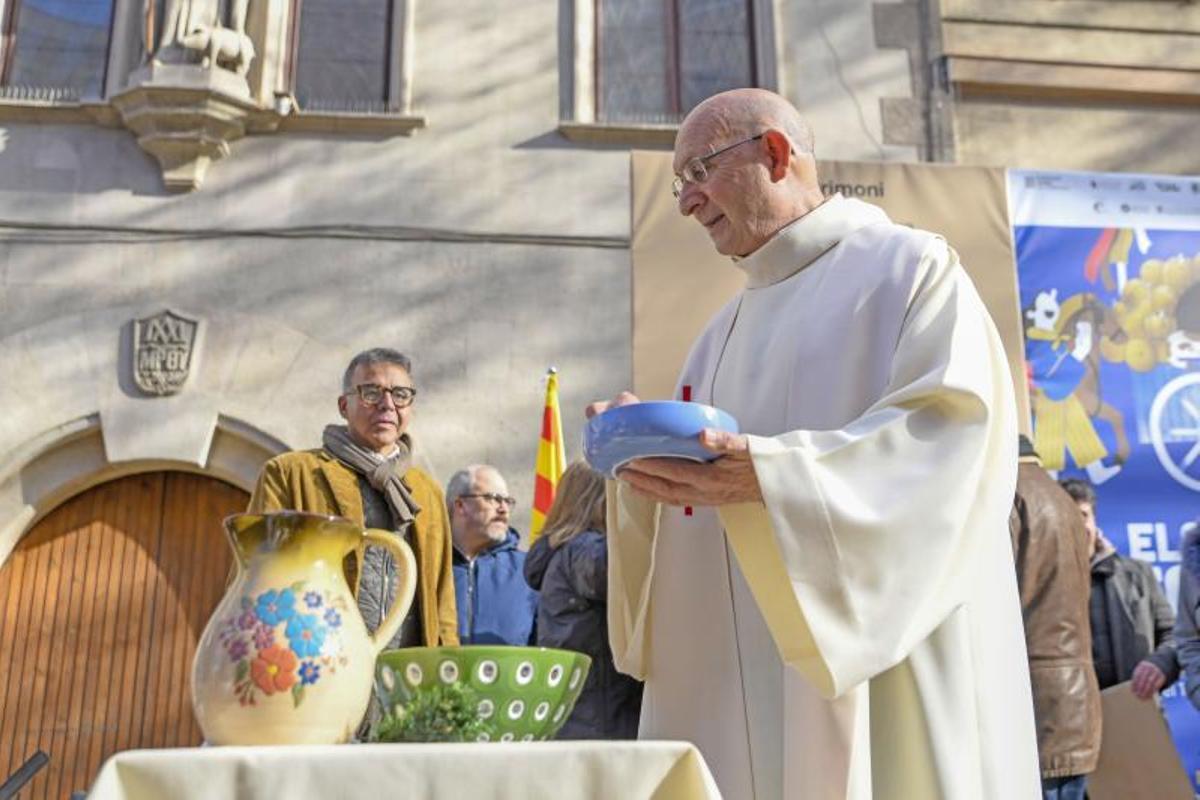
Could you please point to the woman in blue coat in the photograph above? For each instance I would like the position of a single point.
(569, 566)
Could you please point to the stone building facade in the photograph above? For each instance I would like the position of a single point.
(287, 183)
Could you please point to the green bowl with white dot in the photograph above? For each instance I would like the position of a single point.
(524, 693)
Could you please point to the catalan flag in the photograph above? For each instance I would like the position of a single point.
(551, 457)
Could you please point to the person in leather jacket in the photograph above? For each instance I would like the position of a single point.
(1051, 555)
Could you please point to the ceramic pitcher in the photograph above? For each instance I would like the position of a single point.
(286, 657)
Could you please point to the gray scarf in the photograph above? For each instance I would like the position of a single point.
(384, 474)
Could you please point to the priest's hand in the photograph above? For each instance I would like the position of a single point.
(623, 399)
(729, 479)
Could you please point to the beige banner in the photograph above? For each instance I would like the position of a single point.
(679, 281)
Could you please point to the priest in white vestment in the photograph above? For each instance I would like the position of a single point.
(829, 610)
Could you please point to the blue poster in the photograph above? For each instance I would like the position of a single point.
(1108, 269)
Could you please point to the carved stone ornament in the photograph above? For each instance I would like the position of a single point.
(193, 33)
(208, 73)
(190, 98)
(185, 115)
(163, 347)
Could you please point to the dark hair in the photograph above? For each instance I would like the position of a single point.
(1080, 490)
(376, 355)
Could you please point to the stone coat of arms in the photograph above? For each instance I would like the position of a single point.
(162, 352)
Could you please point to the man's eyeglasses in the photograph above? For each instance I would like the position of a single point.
(695, 170)
(494, 499)
(372, 394)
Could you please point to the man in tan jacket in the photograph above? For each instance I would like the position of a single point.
(364, 473)
(1051, 554)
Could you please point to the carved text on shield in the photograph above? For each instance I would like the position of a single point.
(162, 352)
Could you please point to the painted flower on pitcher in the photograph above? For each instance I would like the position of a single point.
(274, 670)
(273, 661)
(264, 637)
(309, 672)
(306, 635)
(238, 649)
(274, 607)
(332, 647)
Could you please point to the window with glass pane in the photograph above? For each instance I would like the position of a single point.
(656, 59)
(58, 45)
(342, 54)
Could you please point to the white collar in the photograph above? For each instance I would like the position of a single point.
(379, 458)
(804, 240)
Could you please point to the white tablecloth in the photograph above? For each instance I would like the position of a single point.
(559, 770)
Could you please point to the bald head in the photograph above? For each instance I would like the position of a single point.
(745, 168)
(739, 113)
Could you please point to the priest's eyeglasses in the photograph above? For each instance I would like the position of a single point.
(494, 499)
(695, 170)
(372, 394)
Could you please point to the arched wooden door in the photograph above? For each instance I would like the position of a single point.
(102, 605)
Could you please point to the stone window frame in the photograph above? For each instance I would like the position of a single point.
(9, 12)
(577, 75)
(270, 24)
(399, 79)
(124, 14)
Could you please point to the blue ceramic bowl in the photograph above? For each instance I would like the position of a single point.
(667, 428)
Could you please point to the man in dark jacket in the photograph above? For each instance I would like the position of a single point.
(495, 605)
(1051, 554)
(1132, 622)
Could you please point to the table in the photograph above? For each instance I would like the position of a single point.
(587, 770)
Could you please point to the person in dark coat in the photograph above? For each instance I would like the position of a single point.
(1133, 636)
(1187, 620)
(568, 565)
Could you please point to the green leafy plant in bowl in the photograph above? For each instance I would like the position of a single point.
(445, 713)
(518, 693)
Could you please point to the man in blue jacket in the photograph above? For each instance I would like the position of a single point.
(495, 604)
